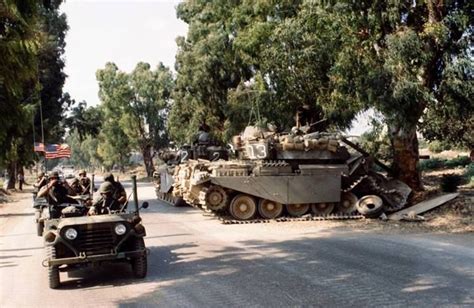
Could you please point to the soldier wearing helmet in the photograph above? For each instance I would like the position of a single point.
(85, 182)
(56, 193)
(41, 181)
(105, 202)
(118, 192)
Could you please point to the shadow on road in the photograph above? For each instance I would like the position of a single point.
(341, 272)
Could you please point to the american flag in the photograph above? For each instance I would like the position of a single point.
(57, 151)
(38, 147)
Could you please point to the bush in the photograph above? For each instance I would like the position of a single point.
(450, 182)
(470, 170)
(460, 161)
(431, 164)
(438, 146)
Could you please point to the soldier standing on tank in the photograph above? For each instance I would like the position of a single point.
(118, 190)
(311, 117)
(105, 202)
(85, 182)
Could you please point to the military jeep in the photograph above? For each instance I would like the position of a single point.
(75, 241)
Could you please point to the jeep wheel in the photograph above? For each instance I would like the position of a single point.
(53, 271)
(40, 228)
(139, 264)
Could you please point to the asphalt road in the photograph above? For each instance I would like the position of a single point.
(196, 261)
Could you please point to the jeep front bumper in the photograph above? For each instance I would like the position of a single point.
(95, 258)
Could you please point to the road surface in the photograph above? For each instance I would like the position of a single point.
(195, 261)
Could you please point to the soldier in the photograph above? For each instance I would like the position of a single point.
(41, 181)
(105, 202)
(312, 118)
(56, 193)
(118, 190)
(85, 182)
(76, 187)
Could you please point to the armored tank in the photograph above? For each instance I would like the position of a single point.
(291, 174)
(204, 148)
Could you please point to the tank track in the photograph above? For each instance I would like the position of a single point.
(231, 221)
(394, 200)
(228, 220)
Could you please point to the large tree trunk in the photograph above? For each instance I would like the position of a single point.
(405, 156)
(11, 169)
(148, 160)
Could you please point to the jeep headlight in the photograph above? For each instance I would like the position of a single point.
(70, 234)
(120, 229)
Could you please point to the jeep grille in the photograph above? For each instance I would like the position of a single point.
(95, 239)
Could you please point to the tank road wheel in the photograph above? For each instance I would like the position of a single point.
(243, 207)
(216, 198)
(269, 209)
(297, 210)
(348, 203)
(371, 206)
(322, 209)
(53, 271)
(139, 264)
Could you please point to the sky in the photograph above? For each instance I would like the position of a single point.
(121, 31)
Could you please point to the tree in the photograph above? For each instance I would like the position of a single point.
(347, 56)
(139, 102)
(86, 120)
(32, 42)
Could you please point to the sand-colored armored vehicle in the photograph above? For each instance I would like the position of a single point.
(203, 148)
(75, 240)
(288, 174)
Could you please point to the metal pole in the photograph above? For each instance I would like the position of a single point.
(41, 119)
(135, 195)
(92, 184)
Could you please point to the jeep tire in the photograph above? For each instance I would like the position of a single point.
(139, 264)
(53, 271)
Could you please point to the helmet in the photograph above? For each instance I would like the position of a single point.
(106, 187)
(83, 171)
(41, 174)
(109, 177)
(54, 174)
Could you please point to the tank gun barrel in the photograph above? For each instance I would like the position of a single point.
(365, 153)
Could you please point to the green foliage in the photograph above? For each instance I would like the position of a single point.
(405, 59)
(438, 146)
(431, 164)
(84, 150)
(376, 141)
(450, 182)
(460, 161)
(438, 163)
(86, 120)
(134, 109)
(31, 47)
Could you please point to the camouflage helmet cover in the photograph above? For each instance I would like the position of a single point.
(106, 187)
(109, 177)
(83, 171)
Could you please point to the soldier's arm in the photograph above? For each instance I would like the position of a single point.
(122, 195)
(45, 189)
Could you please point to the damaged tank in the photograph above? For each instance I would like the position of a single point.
(278, 174)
